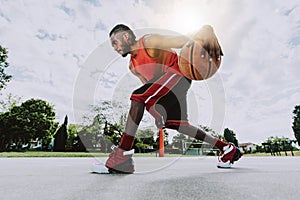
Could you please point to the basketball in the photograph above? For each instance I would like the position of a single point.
(195, 63)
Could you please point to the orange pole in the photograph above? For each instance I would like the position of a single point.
(161, 143)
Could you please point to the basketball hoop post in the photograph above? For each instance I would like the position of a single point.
(161, 143)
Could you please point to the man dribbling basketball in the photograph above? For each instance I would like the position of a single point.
(164, 92)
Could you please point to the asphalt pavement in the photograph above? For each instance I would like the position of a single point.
(155, 178)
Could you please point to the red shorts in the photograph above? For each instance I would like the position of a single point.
(165, 96)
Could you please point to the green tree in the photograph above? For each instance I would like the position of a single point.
(230, 136)
(4, 78)
(5, 129)
(276, 144)
(32, 120)
(144, 140)
(296, 123)
(113, 132)
(100, 128)
(106, 129)
(9, 102)
(39, 117)
(72, 137)
(146, 136)
(103, 129)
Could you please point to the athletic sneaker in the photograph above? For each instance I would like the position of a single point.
(230, 154)
(99, 168)
(120, 162)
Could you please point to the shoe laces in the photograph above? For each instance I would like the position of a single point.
(114, 150)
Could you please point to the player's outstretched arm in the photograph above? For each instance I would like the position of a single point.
(165, 41)
(205, 34)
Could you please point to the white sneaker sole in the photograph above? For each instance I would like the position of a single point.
(221, 164)
(99, 168)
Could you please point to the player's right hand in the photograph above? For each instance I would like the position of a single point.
(209, 41)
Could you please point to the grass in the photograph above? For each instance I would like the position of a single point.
(42, 154)
(296, 153)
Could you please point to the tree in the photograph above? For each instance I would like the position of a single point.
(296, 123)
(4, 78)
(32, 120)
(144, 140)
(61, 136)
(146, 136)
(72, 132)
(39, 117)
(105, 128)
(5, 137)
(230, 136)
(276, 144)
(113, 132)
(100, 127)
(9, 102)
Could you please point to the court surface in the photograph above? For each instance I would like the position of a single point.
(155, 178)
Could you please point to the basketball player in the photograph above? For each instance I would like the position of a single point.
(163, 92)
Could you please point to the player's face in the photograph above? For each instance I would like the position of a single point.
(120, 44)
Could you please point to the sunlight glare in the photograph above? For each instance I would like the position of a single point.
(187, 19)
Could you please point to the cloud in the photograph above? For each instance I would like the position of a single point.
(93, 2)
(2, 15)
(70, 12)
(49, 42)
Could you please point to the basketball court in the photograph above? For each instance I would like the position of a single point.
(155, 178)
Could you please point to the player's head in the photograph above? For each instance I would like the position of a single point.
(122, 38)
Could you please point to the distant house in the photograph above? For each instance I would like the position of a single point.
(248, 147)
(37, 144)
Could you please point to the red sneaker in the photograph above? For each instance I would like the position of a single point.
(120, 162)
(230, 154)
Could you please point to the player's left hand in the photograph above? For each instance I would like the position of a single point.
(209, 41)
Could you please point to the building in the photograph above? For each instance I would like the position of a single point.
(248, 147)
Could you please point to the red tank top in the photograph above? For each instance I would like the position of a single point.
(149, 67)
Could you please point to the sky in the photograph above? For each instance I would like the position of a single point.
(59, 52)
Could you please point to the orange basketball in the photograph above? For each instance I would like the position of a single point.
(195, 63)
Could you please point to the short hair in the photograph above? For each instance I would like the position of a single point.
(122, 27)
